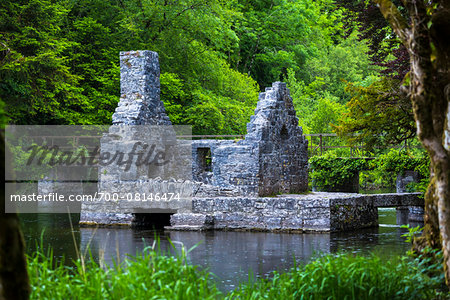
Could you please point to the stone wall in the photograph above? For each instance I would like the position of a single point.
(200, 148)
(405, 178)
(141, 129)
(67, 181)
(140, 102)
(270, 160)
(283, 156)
(140, 117)
(323, 212)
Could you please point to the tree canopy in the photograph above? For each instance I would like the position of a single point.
(59, 61)
(379, 112)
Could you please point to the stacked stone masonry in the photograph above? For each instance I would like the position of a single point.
(140, 102)
(323, 212)
(270, 160)
(233, 184)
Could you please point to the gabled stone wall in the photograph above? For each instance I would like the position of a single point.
(272, 159)
(283, 155)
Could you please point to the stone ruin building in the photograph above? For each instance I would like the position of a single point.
(254, 183)
(271, 159)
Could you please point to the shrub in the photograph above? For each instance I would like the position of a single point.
(330, 171)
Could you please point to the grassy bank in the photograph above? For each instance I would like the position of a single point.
(153, 275)
(345, 276)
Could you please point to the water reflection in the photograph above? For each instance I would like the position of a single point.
(229, 255)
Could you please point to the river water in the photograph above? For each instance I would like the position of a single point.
(231, 256)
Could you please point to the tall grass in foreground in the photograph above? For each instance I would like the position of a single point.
(345, 276)
(152, 275)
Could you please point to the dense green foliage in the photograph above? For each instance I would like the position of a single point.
(329, 170)
(59, 59)
(380, 111)
(35, 79)
(378, 115)
(152, 274)
(59, 62)
(320, 97)
(396, 162)
(400, 161)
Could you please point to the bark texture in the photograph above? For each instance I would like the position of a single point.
(427, 41)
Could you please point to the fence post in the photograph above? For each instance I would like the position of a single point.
(321, 146)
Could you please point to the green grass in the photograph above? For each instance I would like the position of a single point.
(153, 275)
(345, 276)
(150, 275)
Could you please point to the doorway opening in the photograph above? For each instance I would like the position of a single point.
(151, 220)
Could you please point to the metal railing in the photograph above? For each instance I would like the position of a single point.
(318, 143)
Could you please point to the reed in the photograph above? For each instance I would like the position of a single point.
(346, 276)
(149, 275)
(155, 275)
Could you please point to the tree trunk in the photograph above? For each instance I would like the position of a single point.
(430, 235)
(13, 268)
